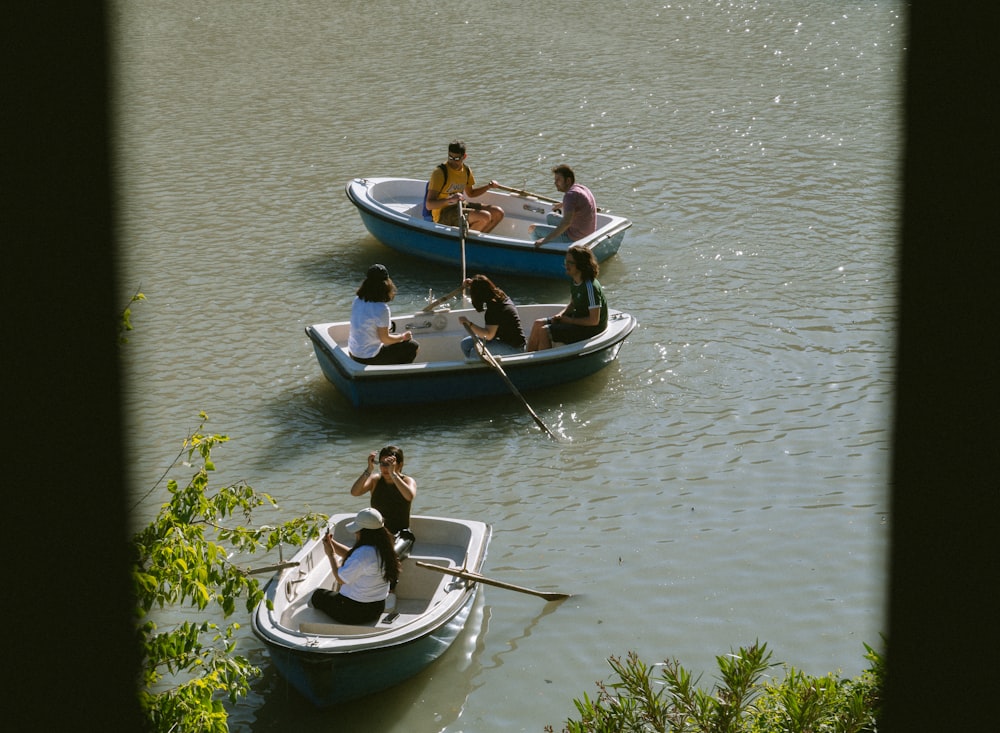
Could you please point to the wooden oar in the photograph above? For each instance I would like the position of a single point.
(270, 568)
(487, 357)
(463, 227)
(431, 306)
(528, 194)
(476, 577)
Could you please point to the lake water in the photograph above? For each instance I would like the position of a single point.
(725, 481)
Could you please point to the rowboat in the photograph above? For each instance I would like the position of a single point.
(391, 209)
(444, 374)
(330, 663)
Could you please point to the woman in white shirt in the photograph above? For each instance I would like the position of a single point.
(364, 571)
(370, 341)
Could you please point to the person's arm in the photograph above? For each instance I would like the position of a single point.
(393, 338)
(592, 318)
(334, 551)
(365, 482)
(486, 332)
(476, 192)
(564, 224)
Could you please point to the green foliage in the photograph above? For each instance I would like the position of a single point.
(182, 561)
(125, 319)
(635, 702)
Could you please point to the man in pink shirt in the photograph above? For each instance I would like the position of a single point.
(579, 212)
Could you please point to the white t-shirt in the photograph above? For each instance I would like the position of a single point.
(362, 576)
(366, 318)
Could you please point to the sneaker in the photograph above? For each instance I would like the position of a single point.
(390, 602)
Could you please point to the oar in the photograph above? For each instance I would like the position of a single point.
(476, 577)
(519, 192)
(487, 357)
(529, 194)
(431, 306)
(463, 227)
(270, 568)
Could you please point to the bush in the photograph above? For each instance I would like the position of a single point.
(182, 559)
(635, 702)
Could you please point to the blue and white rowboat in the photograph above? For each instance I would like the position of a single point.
(329, 662)
(442, 372)
(391, 211)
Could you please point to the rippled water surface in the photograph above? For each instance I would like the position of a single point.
(724, 481)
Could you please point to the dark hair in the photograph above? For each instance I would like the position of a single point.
(566, 172)
(381, 539)
(482, 290)
(456, 146)
(584, 260)
(394, 451)
(376, 289)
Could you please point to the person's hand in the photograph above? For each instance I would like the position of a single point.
(492, 184)
(539, 242)
(557, 208)
(371, 461)
(463, 320)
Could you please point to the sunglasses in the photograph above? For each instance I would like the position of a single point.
(454, 157)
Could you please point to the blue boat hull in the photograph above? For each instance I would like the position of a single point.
(330, 662)
(326, 679)
(386, 208)
(450, 377)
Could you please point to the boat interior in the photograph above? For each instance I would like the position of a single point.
(440, 333)
(521, 214)
(417, 592)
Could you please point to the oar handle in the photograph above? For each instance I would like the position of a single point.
(528, 194)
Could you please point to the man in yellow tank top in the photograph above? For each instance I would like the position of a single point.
(454, 182)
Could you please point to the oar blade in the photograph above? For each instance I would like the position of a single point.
(477, 578)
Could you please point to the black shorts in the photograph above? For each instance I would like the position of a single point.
(570, 333)
(449, 214)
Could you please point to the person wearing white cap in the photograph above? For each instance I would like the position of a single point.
(370, 341)
(364, 571)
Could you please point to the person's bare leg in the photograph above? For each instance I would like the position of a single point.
(496, 216)
(539, 338)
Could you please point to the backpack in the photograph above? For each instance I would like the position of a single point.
(424, 211)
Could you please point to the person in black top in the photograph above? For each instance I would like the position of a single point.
(502, 332)
(392, 491)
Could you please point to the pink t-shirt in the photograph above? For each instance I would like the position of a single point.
(579, 207)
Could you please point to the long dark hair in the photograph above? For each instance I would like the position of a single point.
(381, 539)
(584, 260)
(378, 286)
(482, 290)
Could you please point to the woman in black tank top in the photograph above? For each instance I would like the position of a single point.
(392, 491)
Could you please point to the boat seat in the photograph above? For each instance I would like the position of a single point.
(332, 629)
(415, 592)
